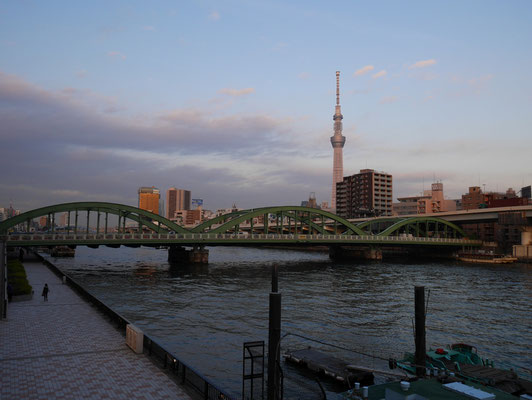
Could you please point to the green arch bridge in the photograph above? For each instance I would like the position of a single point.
(89, 224)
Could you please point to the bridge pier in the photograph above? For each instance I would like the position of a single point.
(524, 251)
(197, 255)
(355, 253)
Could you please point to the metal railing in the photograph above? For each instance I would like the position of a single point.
(184, 374)
(216, 237)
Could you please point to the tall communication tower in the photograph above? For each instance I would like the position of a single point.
(337, 141)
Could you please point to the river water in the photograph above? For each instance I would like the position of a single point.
(204, 314)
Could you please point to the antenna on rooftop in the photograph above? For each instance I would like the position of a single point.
(337, 88)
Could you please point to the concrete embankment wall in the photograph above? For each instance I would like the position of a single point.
(176, 369)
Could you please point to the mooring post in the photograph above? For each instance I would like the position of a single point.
(3, 278)
(274, 350)
(420, 337)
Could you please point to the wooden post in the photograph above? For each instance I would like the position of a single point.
(3, 278)
(274, 338)
(420, 337)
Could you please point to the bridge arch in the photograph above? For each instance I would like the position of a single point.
(220, 219)
(421, 226)
(144, 218)
(368, 226)
(300, 220)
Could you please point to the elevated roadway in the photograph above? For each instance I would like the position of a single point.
(480, 215)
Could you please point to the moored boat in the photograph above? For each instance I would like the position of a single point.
(462, 360)
(485, 258)
(62, 251)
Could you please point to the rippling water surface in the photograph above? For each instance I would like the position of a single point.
(204, 313)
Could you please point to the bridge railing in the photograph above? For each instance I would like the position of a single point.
(220, 237)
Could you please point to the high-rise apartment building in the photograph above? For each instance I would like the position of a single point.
(149, 199)
(368, 193)
(337, 142)
(176, 200)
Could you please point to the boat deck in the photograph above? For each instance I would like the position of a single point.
(329, 366)
(428, 388)
(507, 381)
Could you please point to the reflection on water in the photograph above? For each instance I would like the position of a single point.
(204, 313)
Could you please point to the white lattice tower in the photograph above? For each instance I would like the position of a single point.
(337, 141)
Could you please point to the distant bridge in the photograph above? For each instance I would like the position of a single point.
(285, 225)
(473, 216)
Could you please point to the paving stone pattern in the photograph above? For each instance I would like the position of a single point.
(65, 349)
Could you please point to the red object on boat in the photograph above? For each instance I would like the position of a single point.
(440, 351)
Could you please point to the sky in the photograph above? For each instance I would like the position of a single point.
(233, 100)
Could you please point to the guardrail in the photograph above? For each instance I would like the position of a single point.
(178, 370)
(217, 237)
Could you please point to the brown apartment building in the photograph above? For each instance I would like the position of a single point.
(368, 193)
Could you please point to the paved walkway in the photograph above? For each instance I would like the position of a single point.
(65, 349)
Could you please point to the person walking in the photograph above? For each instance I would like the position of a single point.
(9, 292)
(45, 291)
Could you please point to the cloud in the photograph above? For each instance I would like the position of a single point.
(237, 92)
(473, 86)
(116, 54)
(82, 73)
(388, 100)
(214, 16)
(148, 28)
(423, 64)
(66, 192)
(364, 70)
(379, 74)
(480, 82)
(280, 46)
(112, 109)
(428, 76)
(304, 75)
(69, 91)
(70, 143)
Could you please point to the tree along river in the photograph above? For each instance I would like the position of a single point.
(204, 314)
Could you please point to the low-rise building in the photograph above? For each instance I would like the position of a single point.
(430, 202)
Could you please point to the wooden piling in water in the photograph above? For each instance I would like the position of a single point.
(420, 336)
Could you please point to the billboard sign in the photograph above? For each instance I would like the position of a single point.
(197, 203)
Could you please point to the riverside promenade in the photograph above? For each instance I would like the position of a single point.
(65, 349)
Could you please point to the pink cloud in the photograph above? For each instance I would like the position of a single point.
(237, 92)
(380, 74)
(116, 54)
(423, 64)
(388, 100)
(364, 70)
